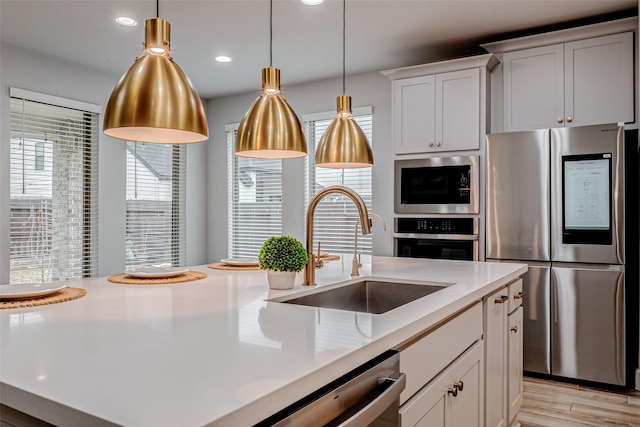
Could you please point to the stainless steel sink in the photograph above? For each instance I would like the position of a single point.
(366, 296)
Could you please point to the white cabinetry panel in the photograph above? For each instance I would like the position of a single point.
(458, 111)
(414, 113)
(515, 386)
(577, 83)
(533, 88)
(454, 398)
(599, 80)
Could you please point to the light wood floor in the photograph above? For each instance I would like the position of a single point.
(557, 404)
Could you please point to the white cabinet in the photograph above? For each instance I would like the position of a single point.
(453, 398)
(437, 113)
(495, 357)
(514, 357)
(577, 83)
(445, 374)
(503, 355)
(440, 106)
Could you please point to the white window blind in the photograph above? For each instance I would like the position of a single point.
(336, 216)
(255, 201)
(155, 224)
(54, 182)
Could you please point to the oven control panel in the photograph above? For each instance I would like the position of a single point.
(436, 225)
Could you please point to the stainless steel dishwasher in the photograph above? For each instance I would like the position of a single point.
(367, 396)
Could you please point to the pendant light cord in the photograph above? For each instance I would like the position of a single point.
(344, 31)
(157, 8)
(271, 33)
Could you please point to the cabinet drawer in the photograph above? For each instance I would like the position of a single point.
(425, 358)
(434, 405)
(515, 295)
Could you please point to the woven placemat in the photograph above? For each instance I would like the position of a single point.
(66, 294)
(125, 279)
(223, 266)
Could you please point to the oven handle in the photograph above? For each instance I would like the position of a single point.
(369, 413)
(436, 236)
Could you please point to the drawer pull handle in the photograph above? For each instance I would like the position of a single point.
(502, 299)
(514, 328)
(459, 385)
(453, 391)
(519, 295)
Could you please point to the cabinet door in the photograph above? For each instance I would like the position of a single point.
(534, 88)
(514, 381)
(428, 408)
(453, 398)
(414, 114)
(599, 80)
(458, 110)
(467, 407)
(495, 358)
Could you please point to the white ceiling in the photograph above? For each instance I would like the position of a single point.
(307, 40)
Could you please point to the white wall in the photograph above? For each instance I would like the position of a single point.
(47, 75)
(365, 89)
(206, 170)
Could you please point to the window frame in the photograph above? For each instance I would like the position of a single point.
(70, 127)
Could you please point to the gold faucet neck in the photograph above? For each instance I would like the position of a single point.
(310, 269)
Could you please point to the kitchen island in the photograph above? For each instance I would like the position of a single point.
(212, 351)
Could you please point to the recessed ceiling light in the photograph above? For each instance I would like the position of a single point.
(222, 58)
(312, 2)
(126, 21)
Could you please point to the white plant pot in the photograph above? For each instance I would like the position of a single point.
(281, 279)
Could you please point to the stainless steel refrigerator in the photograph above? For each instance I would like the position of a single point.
(557, 200)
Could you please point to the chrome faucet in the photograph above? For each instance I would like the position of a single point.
(310, 268)
(356, 264)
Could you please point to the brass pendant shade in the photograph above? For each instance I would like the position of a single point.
(154, 100)
(343, 144)
(270, 129)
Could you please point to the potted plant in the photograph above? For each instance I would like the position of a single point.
(282, 257)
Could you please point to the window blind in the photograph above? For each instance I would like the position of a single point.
(254, 201)
(53, 192)
(155, 204)
(336, 215)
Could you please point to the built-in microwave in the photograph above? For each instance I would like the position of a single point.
(437, 185)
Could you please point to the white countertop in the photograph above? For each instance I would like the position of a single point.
(211, 351)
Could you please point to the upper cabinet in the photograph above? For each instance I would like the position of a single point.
(440, 106)
(581, 81)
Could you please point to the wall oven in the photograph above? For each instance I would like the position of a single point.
(437, 185)
(437, 238)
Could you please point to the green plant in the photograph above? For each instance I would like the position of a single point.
(283, 253)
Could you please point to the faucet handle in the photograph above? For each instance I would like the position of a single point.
(317, 262)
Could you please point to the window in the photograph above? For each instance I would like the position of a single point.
(255, 200)
(53, 190)
(39, 156)
(336, 215)
(155, 224)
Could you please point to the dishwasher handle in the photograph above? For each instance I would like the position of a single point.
(392, 388)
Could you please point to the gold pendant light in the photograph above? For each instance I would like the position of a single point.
(270, 129)
(154, 100)
(344, 145)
